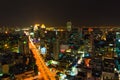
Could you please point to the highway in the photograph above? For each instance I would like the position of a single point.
(42, 68)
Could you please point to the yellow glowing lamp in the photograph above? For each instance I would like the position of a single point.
(6, 45)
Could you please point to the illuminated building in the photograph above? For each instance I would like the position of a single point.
(69, 26)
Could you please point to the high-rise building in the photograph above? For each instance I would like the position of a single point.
(56, 49)
(69, 26)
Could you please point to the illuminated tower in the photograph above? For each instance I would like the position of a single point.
(69, 26)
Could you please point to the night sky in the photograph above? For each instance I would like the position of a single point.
(58, 12)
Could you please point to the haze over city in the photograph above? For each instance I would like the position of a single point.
(58, 12)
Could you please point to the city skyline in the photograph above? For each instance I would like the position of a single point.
(58, 12)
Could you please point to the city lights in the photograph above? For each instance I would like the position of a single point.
(60, 40)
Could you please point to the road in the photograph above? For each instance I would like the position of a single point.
(42, 68)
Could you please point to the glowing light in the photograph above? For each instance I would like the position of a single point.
(6, 45)
(62, 50)
(24, 42)
(43, 50)
(90, 29)
(6, 32)
(68, 50)
(31, 33)
(36, 27)
(103, 37)
(69, 25)
(45, 31)
(118, 40)
(87, 62)
(43, 26)
(81, 52)
(79, 61)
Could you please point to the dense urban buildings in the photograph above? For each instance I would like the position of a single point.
(60, 53)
